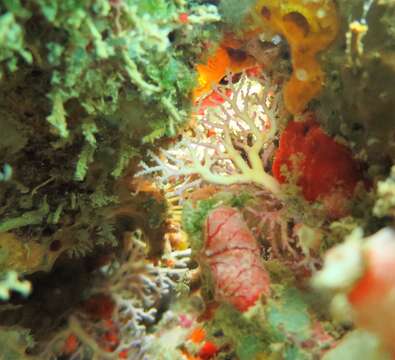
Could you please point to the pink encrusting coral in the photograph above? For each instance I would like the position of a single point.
(233, 256)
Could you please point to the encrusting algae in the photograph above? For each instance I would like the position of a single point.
(309, 27)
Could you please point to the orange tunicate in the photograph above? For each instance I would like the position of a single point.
(309, 27)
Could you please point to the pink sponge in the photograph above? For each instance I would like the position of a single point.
(233, 255)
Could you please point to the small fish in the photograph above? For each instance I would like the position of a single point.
(224, 60)
(212, 72)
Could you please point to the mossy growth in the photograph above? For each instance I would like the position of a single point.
(247, 336)
(86, 88)
(280, 328)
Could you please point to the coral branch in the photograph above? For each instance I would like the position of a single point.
(244, 126)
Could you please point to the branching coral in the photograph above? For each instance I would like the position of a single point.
(89, 85)
(227, 143)
(112, 322)
(272, 224)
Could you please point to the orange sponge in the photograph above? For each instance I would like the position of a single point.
(309, 27)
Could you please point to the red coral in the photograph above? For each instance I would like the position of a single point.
(233, 256)
(324, 167)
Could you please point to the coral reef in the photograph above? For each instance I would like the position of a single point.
(91, 69)
(197, 179)
(86, 87)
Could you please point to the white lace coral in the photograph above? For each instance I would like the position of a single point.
(228, 140)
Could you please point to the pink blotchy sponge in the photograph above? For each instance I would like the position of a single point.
(233, 255)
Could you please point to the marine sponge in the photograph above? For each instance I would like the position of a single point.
(325, 168)
(309, 27)
(233, 255)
